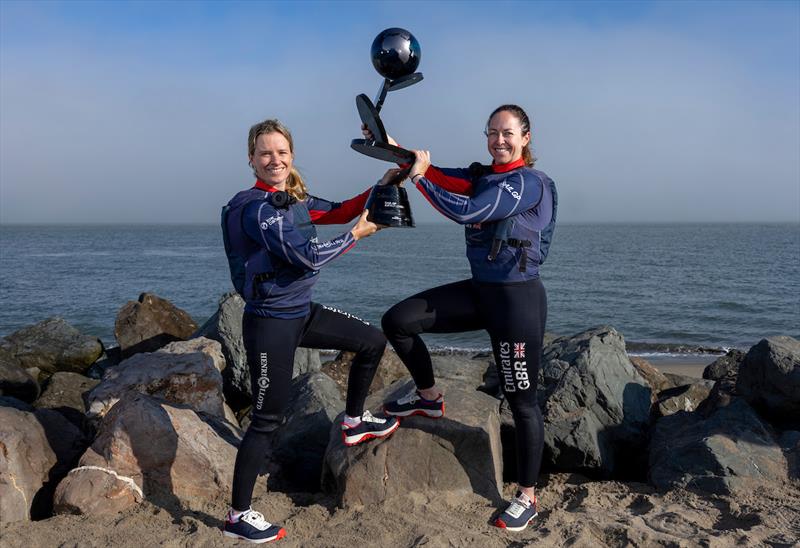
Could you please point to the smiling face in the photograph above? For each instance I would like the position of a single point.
(505, 137)
(272, 159)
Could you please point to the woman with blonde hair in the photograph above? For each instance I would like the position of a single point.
(275, 258)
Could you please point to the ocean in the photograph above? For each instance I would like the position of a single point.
(669, 288)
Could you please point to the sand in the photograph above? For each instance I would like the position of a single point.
(573, 511)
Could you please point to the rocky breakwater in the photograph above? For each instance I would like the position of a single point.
(744, 433)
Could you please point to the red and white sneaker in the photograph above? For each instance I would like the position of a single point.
(369, 428)
(519, 513)
(415, 404)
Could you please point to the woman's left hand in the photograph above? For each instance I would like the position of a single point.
(391, 175)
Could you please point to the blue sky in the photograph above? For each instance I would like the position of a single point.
(642, 111)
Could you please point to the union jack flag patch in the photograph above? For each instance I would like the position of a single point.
(519, 350)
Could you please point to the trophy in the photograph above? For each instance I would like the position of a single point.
(395, 55)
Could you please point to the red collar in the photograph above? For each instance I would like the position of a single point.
(502, 168)
(261, 185)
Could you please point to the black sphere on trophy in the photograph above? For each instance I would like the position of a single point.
(395, 55)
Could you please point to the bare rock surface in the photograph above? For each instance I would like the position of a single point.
(225, 327)
(37, 448)
(182, 372)
(15, 381)
(596, 414)
(66, 390)
(455, 455)
(718, 454)
(681, 398)
(655, 378)
(724, 366)
(299, 445)
(53, 345)
(147, 324)
(150, 449)
(769, 378)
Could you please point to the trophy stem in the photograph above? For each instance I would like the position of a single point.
(381, 97)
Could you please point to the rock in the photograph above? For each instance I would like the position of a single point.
(677, 379)
(596, 415)
(14, 380)
(790, 443)
(722, 394)
(53, 345)
(680, 398)
(8, 401)
(299, 445)
(64, 393)
(653, 376)
(150, 323)
(452, 456)
(110, 358)
(36, 451)
(146, 448)
(718, 454)
(724, 366)
(66, 390)
(182, 372)
(769, 377)
(225, 327)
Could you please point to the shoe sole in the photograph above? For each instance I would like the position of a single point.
(420, 412)
(515, 529)
(366, 436)
(280, 535)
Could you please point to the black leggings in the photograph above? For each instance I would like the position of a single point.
(514, 314)
(270, 344)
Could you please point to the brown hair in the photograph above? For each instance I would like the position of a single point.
(294, 183)
(525, 124)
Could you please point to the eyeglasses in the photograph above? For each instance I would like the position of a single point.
(494, 134)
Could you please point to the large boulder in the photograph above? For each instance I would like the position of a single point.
(15, 381)
(724, 366)
(53, 345)
(182, 372)
(596, 415)
(451, 456)
(149, 323)
(225, 327)
(769, 377)
(149, 449)
(299, 445)
(36, 451)
(717, 454)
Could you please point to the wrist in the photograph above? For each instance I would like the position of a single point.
(354, 232)
(415, 177)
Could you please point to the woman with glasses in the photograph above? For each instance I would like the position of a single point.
(509, 212)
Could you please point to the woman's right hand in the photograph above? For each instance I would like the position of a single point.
(422, 161)
(370, 137)
(364, 228)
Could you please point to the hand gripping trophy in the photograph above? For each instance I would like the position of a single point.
(395, 55)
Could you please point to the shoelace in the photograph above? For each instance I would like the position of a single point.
(517, 506)
(368, 417)
(410, 398)
(256, 519)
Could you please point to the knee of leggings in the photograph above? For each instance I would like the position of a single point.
(394, 321)
(265, 424)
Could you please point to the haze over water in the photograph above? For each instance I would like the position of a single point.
(718, 285)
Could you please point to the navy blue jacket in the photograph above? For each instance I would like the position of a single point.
(283, 254)
(524, 194)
